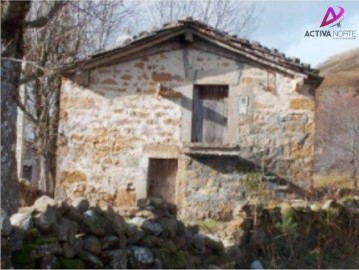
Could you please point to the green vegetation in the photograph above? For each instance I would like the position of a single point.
(324, 239)
(42, 240)
(31, 235)
(252, 183)
(171, 260)
(73, 264)
(288, 225)
(25, 256)
(205, 226)
(209, 225)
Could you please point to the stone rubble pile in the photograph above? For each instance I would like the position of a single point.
(71, 234)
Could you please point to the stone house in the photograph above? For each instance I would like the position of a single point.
(185, 112)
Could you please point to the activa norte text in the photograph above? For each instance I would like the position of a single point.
(343, 34)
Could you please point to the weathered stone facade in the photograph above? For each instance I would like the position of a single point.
(116, 117)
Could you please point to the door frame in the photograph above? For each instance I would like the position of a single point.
(174, 199)
(150, 152)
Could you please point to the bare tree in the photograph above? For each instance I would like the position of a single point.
(13, 25)
(337, 125)
(98, 23)
(235, 17)
(78, 29)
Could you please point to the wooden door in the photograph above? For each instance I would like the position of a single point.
(209, 122)
(162, 179)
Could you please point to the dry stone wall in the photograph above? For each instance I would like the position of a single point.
(110, 127)
(72, 235)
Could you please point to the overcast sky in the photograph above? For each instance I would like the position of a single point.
(283, 25)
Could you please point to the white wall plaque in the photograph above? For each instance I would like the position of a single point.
(243, 104)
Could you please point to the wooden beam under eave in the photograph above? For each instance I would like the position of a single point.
(103, 60)
(188, 36)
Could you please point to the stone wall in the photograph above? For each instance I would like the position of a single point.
(72, 235)
(212, 186)
(118, 119)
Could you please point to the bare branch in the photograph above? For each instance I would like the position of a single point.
(43, 20)
(74, 31)
(27, 113)
(28, 62)
(233, 16)
(33, 76)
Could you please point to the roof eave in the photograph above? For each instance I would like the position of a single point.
(216, 37)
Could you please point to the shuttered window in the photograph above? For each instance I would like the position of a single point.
(209, 120)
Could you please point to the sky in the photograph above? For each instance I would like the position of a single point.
(283, 24)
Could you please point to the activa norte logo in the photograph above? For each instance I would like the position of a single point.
(333, 17)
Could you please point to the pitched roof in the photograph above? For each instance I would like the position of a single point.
(250, 50)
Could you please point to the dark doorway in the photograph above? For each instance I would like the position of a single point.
(209, 122)
(162, 179)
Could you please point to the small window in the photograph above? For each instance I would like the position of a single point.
(214, 92)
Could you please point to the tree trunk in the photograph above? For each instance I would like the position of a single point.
(13, 18)
(54, 125)
(48, 134)
(44, 178)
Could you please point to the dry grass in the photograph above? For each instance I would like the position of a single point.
(346, 61)
(335, 179)
(341, 70)
(340, 79)
(205, 226)
(28, 194)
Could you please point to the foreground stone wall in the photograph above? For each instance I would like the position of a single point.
(73, 235)
(117, 120)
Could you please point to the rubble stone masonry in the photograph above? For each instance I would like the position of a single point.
(111, 126)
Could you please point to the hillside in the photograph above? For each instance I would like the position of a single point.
(346, 61)
(337, 122)
(341, 70)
